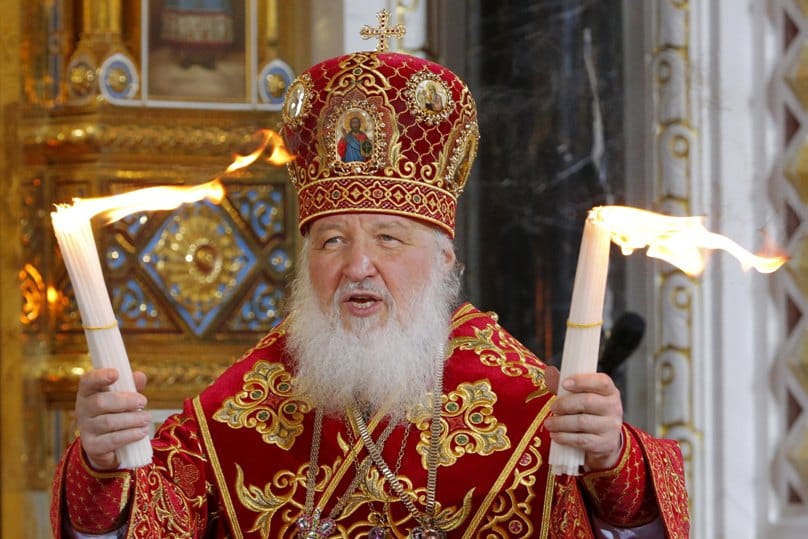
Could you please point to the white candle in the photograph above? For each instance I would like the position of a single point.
(75, 237)
(582, 340)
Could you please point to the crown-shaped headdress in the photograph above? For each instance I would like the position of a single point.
(380, 132)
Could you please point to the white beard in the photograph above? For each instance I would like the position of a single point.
(391, 367)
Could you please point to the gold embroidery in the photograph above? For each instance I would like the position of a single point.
(372, 490)
(124, 476)
(158, 510)
(207, 440)
(266, 503)
(449, 519)
(466, 313)
(185, 474)
(266, 404)
(468, 424)
(484, 344)
(266, 341)
(511, 469)
(512, 511)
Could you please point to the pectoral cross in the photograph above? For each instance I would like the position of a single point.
(382, 32)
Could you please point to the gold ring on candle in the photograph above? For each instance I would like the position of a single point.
(576, 325)
(98, 328)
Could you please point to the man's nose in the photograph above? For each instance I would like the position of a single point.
(359, 262)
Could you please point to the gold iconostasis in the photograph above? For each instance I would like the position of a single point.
(101, 97)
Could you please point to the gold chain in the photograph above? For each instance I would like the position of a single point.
(363, 470)
(314, 457)
(312, 525)
(432, 454)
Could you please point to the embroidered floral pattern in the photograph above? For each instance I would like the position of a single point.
(266, 502)
(266, 404)
(468, 425)
(497, 348)
(511, 514)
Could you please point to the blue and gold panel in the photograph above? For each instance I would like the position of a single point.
(199, 259)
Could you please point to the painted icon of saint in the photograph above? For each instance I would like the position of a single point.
(433, 100)
(355, 145)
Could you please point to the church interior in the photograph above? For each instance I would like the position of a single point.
(695, 108)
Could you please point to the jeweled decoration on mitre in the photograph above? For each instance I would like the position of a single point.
(380, 132)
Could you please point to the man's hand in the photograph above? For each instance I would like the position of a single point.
(109, 420)
(589, 417)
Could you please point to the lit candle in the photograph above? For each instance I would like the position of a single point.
(75, 237)
(680, 241)
(582, 340)
(74, 234)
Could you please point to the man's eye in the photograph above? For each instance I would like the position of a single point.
(387, 238)
(333, 240)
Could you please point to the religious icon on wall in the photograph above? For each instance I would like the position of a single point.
(356, 142)
(197, 50)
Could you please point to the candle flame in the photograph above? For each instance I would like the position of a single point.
(681, 241)
(116, 207)
(278, 155)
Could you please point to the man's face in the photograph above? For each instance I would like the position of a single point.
(391, 256)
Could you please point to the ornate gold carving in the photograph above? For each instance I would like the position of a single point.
(674, 160)
(468, 425)
(182, 136)
(198, 258)
(266, 404)
(169, 381)
(33, 294)
(81, 81)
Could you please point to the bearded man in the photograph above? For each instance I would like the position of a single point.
(381, 406)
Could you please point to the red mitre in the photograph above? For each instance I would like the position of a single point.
(380, 132)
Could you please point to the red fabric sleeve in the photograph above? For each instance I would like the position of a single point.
(623, 495)
(96, 501)
(174, 492)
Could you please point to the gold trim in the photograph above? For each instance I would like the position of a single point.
(548, 506)
(113, 325)
(217, 468)
(576, 325)
(124, 475)
(507, 470)
(619, 466)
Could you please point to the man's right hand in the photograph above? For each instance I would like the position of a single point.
(109, 420)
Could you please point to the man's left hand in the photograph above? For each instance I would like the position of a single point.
(589, 417)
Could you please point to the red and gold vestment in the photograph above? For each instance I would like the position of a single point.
(234, 462)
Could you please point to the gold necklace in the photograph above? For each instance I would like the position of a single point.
(312, 525)
(428, 527)
(378, 520)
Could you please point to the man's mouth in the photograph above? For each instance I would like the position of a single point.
(362, 300)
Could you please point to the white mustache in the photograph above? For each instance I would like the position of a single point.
(347, 289)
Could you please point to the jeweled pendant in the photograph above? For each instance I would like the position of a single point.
(427, 533)
(315, 527)
(378, 532)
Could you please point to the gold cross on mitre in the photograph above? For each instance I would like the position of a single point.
(382, 32)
